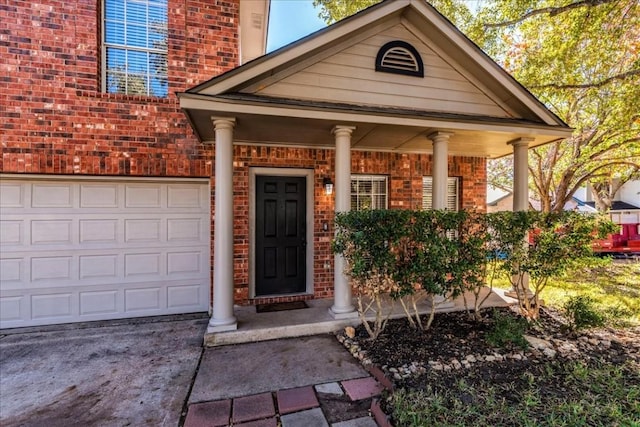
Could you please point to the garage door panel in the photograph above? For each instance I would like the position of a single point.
(185, 229)
(99, 231)
(184, 296)
(12, 232)
(48, 306)
(185, 196)
(99, 266)
(84, 250)
(12, 270)
(11, 309)
(100, 303)
(142, 230)
(52, 196)
(99, 196)
(52, 269)
(142, 196)
(179, 263)
(13, 195)
(143, 264)
(142, 299)
(47, 232)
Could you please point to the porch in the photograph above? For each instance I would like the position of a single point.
(316, 319)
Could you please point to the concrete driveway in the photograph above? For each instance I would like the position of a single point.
(104, 374)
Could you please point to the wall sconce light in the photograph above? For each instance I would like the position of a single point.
(328, 186)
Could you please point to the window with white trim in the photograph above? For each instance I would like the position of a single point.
(453, 193)
(135, 47)
(369, 192)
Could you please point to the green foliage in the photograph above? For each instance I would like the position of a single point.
(409, 255)
(557, 243)
(582, 313)
(560, 393)
(507, 330)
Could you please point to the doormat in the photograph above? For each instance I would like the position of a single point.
(280, 306)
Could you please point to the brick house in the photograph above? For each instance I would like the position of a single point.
(146, 172)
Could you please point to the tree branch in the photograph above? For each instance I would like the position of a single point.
(549, 10)
(621, 76)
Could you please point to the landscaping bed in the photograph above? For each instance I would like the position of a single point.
(482, 372)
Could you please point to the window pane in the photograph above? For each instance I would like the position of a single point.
(136, 35)
(114, 9)
(116, 59)
(137, 62)
(452, 193)
(135, 41)
(368, 192)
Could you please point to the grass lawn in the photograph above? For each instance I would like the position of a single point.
(594, 389)
(615, 290)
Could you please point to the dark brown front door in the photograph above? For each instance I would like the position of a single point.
(280, 235)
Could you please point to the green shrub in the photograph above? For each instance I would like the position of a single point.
(507, 330)
(582, 313)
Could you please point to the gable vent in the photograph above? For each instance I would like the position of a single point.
(399, 57)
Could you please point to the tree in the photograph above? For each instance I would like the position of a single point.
(581, 58)
(605, 188)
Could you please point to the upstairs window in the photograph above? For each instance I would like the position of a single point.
(368, 192)
(399, 57)
(135, 47)
(453, 193)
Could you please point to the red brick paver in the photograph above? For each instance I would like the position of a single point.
(362, 388)
(254, 407)
(296, 399)
(209, 414)
(268, 422)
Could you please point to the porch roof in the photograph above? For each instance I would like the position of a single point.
(297, 94)
(294, 122)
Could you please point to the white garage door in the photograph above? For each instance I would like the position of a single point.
(78, 249)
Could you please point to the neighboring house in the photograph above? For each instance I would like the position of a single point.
(499, 200)
(120, 205)
(625, 208)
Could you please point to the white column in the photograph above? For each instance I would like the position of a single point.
(342, 305)
(440, 167)
(521, 173)
(223, 318)
(520, 200)
(440, 173)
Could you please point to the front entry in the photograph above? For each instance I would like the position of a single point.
(280, 248)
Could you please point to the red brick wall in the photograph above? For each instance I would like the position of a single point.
(405, 172)
(55, 118)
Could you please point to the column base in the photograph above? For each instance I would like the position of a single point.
(224, 325)
(343, 313)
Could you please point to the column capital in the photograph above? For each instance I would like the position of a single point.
(223, 122)
(342, 129)
(518, 142)
(439, 135)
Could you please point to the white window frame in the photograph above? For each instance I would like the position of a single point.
(358, 197)
(148, 75)
(453, 193)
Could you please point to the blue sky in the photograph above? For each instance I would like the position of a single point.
(290, 20)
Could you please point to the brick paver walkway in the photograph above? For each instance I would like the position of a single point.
(296, 407)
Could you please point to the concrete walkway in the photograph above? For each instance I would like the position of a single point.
(306, 381)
